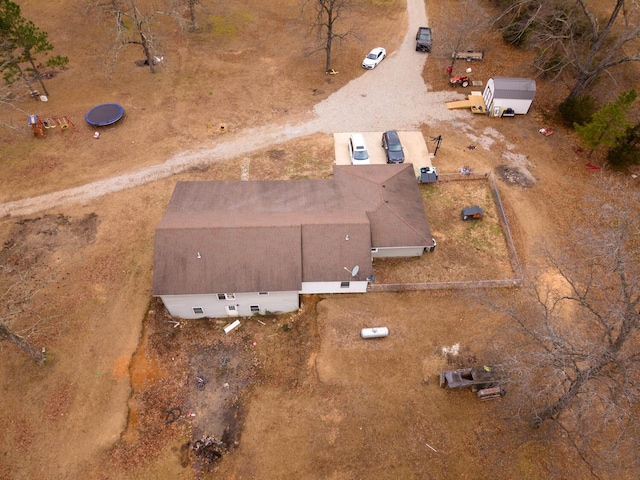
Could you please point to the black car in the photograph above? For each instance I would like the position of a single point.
(393, 147)
(423, 39)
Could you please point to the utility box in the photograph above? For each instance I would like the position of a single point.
(428, 175)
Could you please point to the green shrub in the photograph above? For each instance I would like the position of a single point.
(550, 66)
(514, 35)
(577, 110)
(627, 151)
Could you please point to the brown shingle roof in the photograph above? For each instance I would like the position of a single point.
(392, 200)
(273, 235)
(227, 260)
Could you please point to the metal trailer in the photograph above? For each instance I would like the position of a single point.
(469, 55)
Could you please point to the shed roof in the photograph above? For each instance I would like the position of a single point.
(514, 88)
(238, 236)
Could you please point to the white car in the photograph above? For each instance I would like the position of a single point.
(358, 150)
(374, 57)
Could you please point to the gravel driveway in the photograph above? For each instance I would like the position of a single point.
(393, 95)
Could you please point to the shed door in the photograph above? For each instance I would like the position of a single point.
(488, 94)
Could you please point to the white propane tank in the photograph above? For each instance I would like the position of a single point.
(376, 332)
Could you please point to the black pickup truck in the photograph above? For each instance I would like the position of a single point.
(423, 39)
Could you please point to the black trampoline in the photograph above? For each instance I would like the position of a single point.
(104, 114)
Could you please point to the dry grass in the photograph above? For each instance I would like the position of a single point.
(466, 251)
(327, 405)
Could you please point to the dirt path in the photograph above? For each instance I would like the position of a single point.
(391, 96)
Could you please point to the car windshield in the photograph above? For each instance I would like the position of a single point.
(360, 155)
(372, 56)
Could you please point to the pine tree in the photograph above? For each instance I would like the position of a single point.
(608, 124)
(21, 41)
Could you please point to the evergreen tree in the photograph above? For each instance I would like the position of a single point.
(608, 124)
(21, 41)
(627, 151)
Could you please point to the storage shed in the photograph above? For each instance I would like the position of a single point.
(505, 96)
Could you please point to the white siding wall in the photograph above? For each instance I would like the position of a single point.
(182, 306)
(358, 286)
(496, 105)
(519, 106)
(397, 252)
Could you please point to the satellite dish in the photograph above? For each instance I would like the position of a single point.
(354, 271)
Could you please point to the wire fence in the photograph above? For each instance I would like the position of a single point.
(516, 267)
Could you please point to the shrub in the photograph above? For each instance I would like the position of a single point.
(577, 110)
(627, 151)
(515, 35)
(551, 65)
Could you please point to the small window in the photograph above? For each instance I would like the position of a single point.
(374, 250)
(263, 293)
(221, 296)
(344, 284)
(255, 308)
(198, 310)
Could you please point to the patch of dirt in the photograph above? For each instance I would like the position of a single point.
(34, 240)
(516, 170)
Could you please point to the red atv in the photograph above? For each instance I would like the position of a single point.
(462, 81)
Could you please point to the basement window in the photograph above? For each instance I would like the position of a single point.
(198, 310)
(344, 284)
(226, 296)
(255, 308)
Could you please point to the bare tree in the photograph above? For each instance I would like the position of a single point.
(577, 362)
(18, 290)
(570, 36)
(191, 5)
(326, 18)
(133, 22)
(464, 23)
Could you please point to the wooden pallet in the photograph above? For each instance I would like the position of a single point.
(473, 102)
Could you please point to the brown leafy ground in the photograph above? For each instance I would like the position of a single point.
(309, 399)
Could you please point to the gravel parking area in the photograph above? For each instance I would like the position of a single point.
(413, 144)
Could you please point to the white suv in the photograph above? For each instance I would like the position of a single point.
(358, 150)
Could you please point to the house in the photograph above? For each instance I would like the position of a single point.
(508, 96)
(237, 248)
